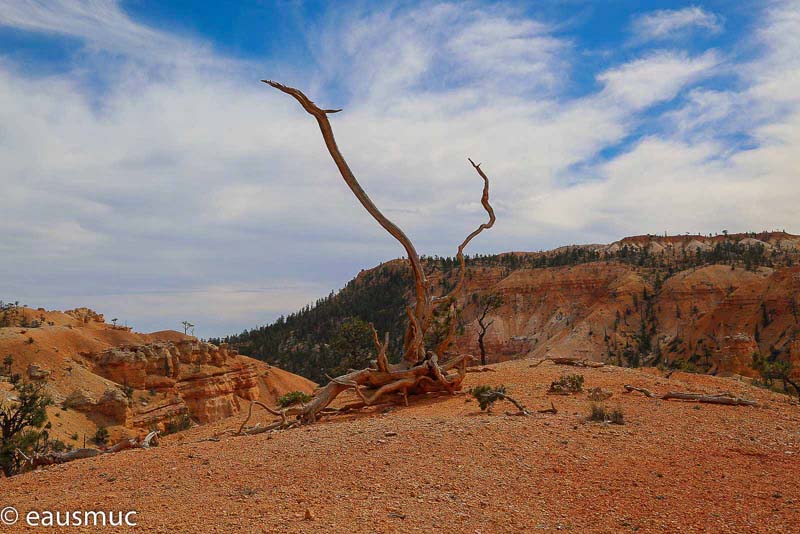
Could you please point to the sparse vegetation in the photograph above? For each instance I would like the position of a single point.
(21, 421)
(101, 436)
(566, 385)
(601, 414)
(772, 368)
(293, 397)
(177, 424)
(488, 395)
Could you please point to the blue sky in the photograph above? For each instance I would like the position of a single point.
(148, 174)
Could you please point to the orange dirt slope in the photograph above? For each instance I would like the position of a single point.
(442, 465)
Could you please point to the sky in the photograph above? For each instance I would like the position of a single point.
(147, 173)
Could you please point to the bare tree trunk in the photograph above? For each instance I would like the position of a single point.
(419, 370)
(481, 345)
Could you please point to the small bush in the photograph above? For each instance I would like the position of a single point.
(101, 436)
(293, 397)
(74, 437)
(567, 384)
(600, 414)
(128, 391)
(487, 395)
(56, 445)
(177, 424)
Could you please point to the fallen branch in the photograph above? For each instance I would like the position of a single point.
(727, 398)
(574, 362)
(551, 409)
(629, 388)
(720, 398)
(521, 410)
(481, 370)
(51, 458)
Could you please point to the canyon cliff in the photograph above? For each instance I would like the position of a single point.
(101, 374)
(716, 304)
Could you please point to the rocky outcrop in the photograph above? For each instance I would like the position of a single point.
(711, 318)
(86, 315)
(113, 406)
(205, 381)
(736, 354)
(36, 372)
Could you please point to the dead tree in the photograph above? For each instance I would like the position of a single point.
(487, 303)
(420, 369)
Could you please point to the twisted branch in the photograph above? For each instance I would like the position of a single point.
(420, 281)
(481, 228)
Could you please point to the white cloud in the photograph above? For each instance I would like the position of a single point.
(665, 23)
(657, 77)
(178, 190)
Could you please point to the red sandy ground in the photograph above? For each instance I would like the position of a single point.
(673, 467)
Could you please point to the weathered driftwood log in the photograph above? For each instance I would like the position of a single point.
(719, 398)
(575, 362)
(481, 370)
(629, 388)
(51, 458)
(726, 398)
(419, 370)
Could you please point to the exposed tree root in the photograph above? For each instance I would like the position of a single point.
(51, 458)
(371, 386)
(726, 398)
(575, 362)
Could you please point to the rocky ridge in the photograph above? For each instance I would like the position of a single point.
(107, 375)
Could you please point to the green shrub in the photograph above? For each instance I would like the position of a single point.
(600, 414)
(101, 436)
(567, 384)
(56, 445)
(177, 424)
(293, 397)
(488, 395)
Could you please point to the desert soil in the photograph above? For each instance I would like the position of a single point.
(442, 465)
